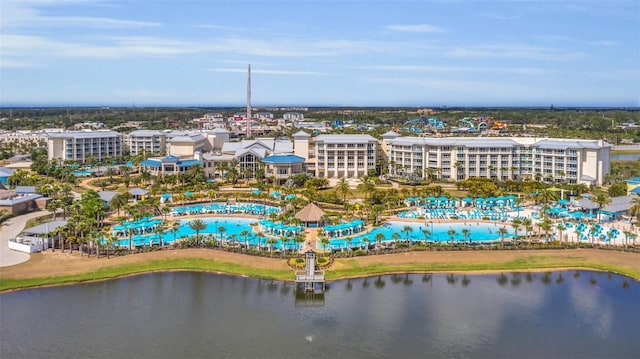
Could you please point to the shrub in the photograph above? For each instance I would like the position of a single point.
(323, 261)
(296, 262)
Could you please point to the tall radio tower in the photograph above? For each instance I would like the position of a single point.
(248, 119)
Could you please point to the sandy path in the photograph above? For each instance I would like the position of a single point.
(54, 264)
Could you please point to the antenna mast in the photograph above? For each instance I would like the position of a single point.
(248, 119)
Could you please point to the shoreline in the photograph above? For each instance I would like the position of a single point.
(81, 270)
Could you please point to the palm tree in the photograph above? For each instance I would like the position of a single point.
(325, 243)
(130, 233)
(111, 240)
(284, 240)
(516, 223)
(158, 231)
(245, 234)
(528, 226)
(342, 189)
(260, 236)
(174, 228)
(407, 230)
(601, 199)
(348, 239)
(395, 236)
(270, 242)
(221, 230)
(379, 238)
(545, 225)
(465, 234)
(298, 239)
(502, 231)
(561, 228)
(197, 225)
(452, 233)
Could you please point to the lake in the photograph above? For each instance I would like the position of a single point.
(561, 314)
(626, 157)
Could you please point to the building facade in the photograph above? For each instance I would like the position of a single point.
(246, 154)
(147, 141)
(516, 158)
(169, 165)
(81, 146)
(350, 156)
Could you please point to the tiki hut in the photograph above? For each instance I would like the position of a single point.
(310, 215)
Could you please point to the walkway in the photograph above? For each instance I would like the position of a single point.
(9, 229)
(311, 235)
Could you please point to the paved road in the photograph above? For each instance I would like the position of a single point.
(10, 229)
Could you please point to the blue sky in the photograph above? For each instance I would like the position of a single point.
(335, 53)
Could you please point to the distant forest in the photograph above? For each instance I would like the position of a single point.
(611, 124)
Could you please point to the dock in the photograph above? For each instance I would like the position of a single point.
(312, 279)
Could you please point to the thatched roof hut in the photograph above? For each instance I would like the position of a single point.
(311, 215)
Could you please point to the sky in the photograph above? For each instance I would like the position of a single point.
(320, 53)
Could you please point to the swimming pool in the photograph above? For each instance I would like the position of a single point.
(478, 233)
(223, 208)
(232, 227)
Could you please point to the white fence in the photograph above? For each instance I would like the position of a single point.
(28, 244)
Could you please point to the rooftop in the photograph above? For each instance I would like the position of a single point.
(283, 159)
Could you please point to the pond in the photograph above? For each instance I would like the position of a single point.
(196, 315)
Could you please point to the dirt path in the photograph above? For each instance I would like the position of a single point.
(56, 264)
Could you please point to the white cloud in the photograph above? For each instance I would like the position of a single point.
(514, 51)
(28, 14)
(561, 38)
(424, 68)
(416, 28)
(267, 72)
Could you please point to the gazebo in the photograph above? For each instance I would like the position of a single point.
(138, 193)
(311, 215)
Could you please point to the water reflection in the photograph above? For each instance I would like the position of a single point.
(500, 315)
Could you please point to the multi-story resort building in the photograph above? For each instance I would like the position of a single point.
(248, 154)
(515, 158)
(185, 143)
(147, 141)
(81, 146)
(350, 156)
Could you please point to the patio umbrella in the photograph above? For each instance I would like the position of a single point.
(188, 194)
(563, 201)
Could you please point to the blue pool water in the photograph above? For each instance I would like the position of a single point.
(233, 226)
(478, 232)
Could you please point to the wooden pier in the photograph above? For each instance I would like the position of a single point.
(312, 279)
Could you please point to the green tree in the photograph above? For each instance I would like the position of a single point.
(407, 230)
(601, 199)
(197, 225)
(342, 189)
(502, 231)
(379, 238)
(452, 234)
(465, 234)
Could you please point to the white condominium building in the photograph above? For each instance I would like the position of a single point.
(515, 158)
(184, 144)
(80, 146)
(147, 141)
(350, 156)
